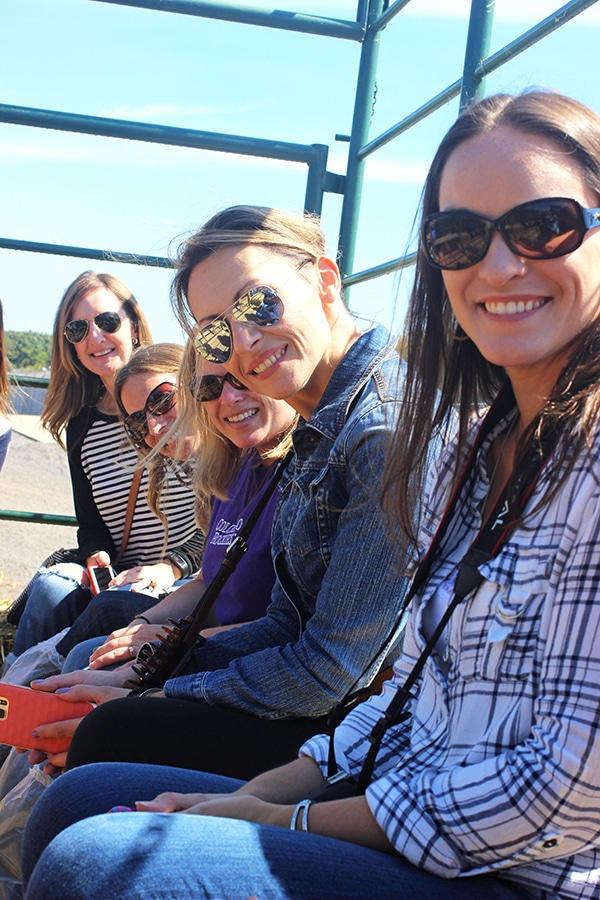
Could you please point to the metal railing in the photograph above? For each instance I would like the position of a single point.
(372, 17)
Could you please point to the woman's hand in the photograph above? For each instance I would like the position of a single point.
(99, 558)
(118, 647)
(55, 762)
(117, 678)
(154, 579)
(228, 806)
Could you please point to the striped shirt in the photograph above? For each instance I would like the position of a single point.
(498, 769)
(102, 467)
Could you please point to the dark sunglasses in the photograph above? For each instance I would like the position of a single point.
(260, 306)
(159, 402)
(540, 229)
(210, 387)
(77, 329)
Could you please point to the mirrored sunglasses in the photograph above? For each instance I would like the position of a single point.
(77, 329)
(541, 229)
(159, 402)
(210, 387)
(260, 306)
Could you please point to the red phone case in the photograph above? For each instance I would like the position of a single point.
(22, 709)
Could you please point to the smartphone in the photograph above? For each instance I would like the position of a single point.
(100, 577)
(22, 709)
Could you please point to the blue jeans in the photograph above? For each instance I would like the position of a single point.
(79, 656)
(160, 856)
(54, 602)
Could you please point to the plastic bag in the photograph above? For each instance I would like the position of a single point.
(39, 661)
(15, 807)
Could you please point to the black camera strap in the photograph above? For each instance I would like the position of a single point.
(492, 535)
(167, 657)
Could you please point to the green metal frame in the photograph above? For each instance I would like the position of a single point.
(372, 17)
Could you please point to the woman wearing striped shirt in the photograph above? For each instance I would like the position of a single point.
(98, 326)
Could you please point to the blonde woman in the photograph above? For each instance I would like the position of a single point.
(97, 327)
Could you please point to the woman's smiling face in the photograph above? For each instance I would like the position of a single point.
(522, 314)
(102, 353)
(247, 419)
(134, 394)
(285, 358)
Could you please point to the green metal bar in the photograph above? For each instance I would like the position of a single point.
(268, 18)
(402, 262)
(449, 93)
(155, 134)
(361, 120)
(28, 381)
(12, 515)
(390, 13)
(316, 183)
(86, 253)
(478, 45)
(526, 40)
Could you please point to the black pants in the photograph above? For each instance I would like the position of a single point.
(188, 734)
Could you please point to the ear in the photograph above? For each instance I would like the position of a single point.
(329, 278)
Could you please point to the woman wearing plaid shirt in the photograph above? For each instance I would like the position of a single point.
(491, 789)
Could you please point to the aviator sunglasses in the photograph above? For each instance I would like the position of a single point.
(210, 387)
(77, 329)
(260, 306)
(159, 402)
(540, 229)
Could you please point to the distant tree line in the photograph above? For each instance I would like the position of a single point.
(28, 349)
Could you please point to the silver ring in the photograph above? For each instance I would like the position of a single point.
(132, 651)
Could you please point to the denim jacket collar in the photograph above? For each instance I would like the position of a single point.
(350, 376)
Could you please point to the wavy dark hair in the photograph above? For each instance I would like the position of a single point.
(446, 375)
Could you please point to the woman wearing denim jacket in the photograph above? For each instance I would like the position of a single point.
(259, 296)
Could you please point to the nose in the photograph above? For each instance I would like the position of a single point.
(230, 394)
(244, 336)
(500, 264)
(155, 425)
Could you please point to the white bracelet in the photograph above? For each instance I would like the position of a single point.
(301, 807)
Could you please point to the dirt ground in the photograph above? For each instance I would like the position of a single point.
(35, 478)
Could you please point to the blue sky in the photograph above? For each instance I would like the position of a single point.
(100, 59)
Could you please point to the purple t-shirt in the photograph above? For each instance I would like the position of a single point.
(247, 592)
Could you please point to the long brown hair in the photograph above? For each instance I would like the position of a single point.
(446, 373)
(72, 386)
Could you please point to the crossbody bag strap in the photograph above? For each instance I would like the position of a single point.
(491, 537)
(133, 492)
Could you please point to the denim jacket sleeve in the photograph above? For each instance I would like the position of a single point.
(336, 599)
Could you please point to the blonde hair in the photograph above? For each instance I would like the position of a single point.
(219, 460)
(73, 387)
(155, 359)
(297, 237)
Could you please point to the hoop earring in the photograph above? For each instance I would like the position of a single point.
(451, 328)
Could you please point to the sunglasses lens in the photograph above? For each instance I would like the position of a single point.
(544, 229)
(456, 240)
(210, 387)
(136, 427)
(108, 322)
(261, 306)
(160, 400)
(76, 330)
(213, 342)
